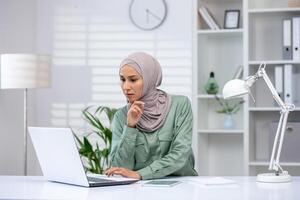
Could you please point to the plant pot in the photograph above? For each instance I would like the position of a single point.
(229, 122)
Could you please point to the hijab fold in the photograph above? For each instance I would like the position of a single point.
(157, 102)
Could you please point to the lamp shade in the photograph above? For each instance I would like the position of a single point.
(235, 88)
(20, 71)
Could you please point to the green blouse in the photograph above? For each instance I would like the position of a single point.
(166, 151)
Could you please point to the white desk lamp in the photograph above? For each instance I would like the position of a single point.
(237, 88)
(24, 71)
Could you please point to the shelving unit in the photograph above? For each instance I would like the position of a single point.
(222, 51)
(265, 46)
(214, 51)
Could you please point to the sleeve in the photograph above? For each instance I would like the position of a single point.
(180, 147)
(123, 143)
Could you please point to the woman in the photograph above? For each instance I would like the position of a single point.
(152, 134)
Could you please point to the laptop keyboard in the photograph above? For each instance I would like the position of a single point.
(102, 180)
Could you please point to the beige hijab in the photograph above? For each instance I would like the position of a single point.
(157, 102)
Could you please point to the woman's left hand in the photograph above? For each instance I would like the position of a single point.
(123, 172)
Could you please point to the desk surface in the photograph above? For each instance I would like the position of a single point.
(30, 187)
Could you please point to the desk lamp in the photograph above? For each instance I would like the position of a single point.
(237, 88)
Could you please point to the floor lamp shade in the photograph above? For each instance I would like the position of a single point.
(25, 71)
(20, 71)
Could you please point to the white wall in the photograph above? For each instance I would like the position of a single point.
(73, 81)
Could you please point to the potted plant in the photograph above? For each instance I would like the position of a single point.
(228, 108)
(96, 158)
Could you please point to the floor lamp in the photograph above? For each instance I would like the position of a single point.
(25, 71)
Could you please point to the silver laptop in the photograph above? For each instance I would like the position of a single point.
(60, 161)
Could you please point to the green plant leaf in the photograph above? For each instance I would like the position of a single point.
(77, 139)
(92, 120)
(228, 107)
(108, 135)
(97, 159)
(87, 144)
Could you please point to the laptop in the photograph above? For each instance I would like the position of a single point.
(60, 161)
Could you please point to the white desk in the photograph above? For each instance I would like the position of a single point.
(19, 187)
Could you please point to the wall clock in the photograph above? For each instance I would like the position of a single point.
(148, 14)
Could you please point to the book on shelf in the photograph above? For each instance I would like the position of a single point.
(291, 39)
(278, 73)
(209, 20)
(296, 38)
(287, 39)
(289, 84)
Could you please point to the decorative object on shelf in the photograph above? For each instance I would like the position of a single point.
(237, 88)
(207, 17)
(232, 19)
(229, 109)
(293, 3)
(25, 71)
(211, 86)
(229, 122)
(148, 15)
(97, 159)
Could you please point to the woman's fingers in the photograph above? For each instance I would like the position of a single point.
(109, 171)
(116, 170)
(120, 172)
(138, 110)
(123, 172)
(134, 113)
(139, 104)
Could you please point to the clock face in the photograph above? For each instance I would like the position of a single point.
(148, 14)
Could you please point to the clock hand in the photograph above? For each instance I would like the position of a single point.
(154, 15)
(147, 11)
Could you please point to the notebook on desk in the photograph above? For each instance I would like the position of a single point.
(60, 161)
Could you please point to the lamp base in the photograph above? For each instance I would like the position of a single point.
(273, 178)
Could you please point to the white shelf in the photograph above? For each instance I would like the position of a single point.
(220, 131)
(265, 163)
(221, 31)
(222, 51)
(268, 109)
(273, 10)
(208, 96)
(273, 62)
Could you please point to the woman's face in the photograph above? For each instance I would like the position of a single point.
(131, 83)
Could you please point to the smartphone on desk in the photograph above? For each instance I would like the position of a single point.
(161, 183)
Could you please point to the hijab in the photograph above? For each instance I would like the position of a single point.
(157, 102)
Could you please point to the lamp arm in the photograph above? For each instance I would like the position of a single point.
(274, 163)
(262, 73)
(285, 109)
(282, 133)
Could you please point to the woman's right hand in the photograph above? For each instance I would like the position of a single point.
(134, 113)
